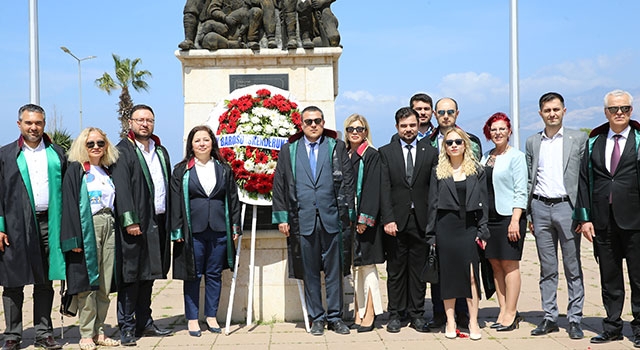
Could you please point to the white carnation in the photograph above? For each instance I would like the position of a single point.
(257, 128)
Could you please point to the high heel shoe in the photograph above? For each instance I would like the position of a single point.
(495, 325)
(512, 326)
(475, 336)
(369, 328)
(450, 335)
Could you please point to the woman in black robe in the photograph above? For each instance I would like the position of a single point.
(367, 242)
(88, 232)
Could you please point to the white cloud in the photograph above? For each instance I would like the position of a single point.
(472, 87)
(358, 96)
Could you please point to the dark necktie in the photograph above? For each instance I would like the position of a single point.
(615, 155)
(312, 158)
(409, 163)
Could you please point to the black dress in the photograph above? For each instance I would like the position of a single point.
(456, 233)
(499, 246)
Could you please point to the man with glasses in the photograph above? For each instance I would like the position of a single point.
(607, 210)
(405, 174)
(31, 172)
(141, 176)
(553, 159)
(313, 206)
(447, 113)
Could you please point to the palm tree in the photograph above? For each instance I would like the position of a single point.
(127, 74)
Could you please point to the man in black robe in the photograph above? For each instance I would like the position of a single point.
(141, 176)
(31, 171)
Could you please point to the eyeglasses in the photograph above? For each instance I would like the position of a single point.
(308, 122)
(92, 144)
(614, 109)
(456, 141)
(448, 111)
(142, 121)
(357, 129)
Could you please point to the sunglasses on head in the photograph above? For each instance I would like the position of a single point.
(92, 144)
(456, 141)
(308, 122)
(614, 109)
(357, 128)
(448, 111)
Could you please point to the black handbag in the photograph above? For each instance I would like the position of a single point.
(68, 302)
(430, 272)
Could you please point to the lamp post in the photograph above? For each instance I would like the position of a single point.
(79, 77)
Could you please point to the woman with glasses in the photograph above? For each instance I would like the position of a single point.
(458, 218)
(88, 232)
(506, 170)
(367, 245)
(205, 223)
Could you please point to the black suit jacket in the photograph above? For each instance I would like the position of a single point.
(597, 183)
(444, 196)
(397, 194)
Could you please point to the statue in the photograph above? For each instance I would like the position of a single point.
(191, 16)
(231, 24)
(318, 25)
(288, 21)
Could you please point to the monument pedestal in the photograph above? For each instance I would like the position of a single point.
(311, 76)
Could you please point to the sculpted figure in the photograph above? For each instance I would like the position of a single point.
(318, 25)
(191, 17)
(288, 20)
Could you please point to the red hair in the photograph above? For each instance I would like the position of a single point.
(495, 117)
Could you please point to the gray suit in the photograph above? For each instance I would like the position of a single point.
(553, 224)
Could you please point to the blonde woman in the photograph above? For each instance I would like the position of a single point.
(368, 249)
(87, 236)
(458, 218)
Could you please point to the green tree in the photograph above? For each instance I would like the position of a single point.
(127, 74)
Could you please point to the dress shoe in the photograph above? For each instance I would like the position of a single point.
(606, 337)
(354, 326)
(197, 333)
(153, 331)
(636, 341)
(575, 330)
(419, 325)
(451, 334)
(437, 322)
(317, 327)
(369, 328)
(11, 345)
(495, 325)
(475, 336)
(127, 339)
(545, 327)
(514, 325)
(394, 326)
(338, 327)
(47, 343)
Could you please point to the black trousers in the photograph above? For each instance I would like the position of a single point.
(406, 254)
(611, 246)
(134, 306)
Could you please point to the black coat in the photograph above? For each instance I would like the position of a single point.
(183, 255)
(144, 257)
(24, 261)
(81, 276)
(368, 247)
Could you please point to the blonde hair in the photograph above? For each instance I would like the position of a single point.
(469, 163)
(367, 132)
(78, 150)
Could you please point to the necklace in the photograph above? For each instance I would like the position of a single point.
(493, 153)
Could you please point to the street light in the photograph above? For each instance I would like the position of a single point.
(79, 77)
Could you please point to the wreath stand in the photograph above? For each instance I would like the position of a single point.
(252, 256)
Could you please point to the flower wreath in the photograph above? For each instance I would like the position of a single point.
(251, 131)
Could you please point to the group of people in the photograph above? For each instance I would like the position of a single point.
(341, 203)
(102, 218)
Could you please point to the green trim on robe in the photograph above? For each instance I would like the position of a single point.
(129, 218)
(3, 228)
(278, 217)
(88, 235)
(57, 264)
(185, 190)
(145, 169)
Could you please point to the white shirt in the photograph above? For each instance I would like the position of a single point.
(100, 189)
(155, 170)
(622, 141)
(207, 175)
(550, 172)
(38, 174)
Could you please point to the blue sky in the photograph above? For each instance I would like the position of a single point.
(581, 49)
